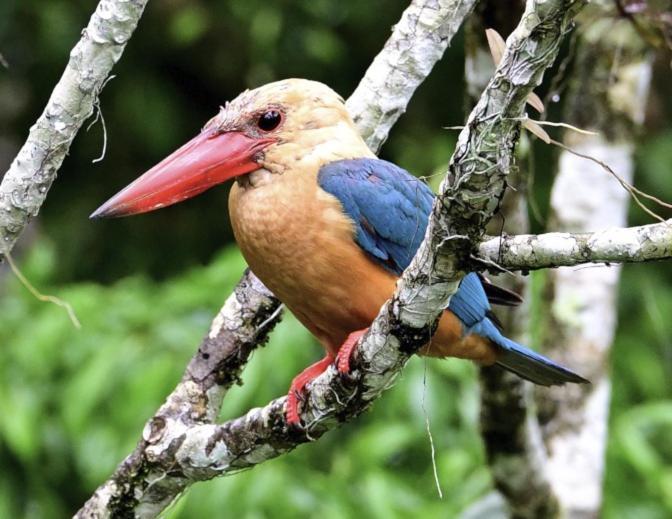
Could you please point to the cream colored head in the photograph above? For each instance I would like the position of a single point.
(290, 127)
(307, 119)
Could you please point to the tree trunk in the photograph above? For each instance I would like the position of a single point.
(607, 94)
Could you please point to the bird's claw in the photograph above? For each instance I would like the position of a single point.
(346, 350)
(295, 394)
(292, 408)
(296, 389)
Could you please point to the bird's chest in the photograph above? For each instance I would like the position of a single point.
(297, 240)
(288, 229)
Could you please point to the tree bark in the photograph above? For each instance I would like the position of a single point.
(417, 43)
(510, 430)
(608, 94)
(565, 249)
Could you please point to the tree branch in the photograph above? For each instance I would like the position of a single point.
(405, 322)
(25, 185)
(563, 249)
(510, 430)
(608, 94)
(178, 454)
(418, 41)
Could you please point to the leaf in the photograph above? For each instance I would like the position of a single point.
(497, 45)
(535, 102)
(537, 130)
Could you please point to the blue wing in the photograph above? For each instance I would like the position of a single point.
(389, 206)
(390, 209)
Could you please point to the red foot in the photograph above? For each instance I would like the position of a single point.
(298, 384)
(346, 349)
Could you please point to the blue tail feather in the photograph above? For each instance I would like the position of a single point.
(524, 362)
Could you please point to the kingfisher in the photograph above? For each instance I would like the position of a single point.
(326, 225)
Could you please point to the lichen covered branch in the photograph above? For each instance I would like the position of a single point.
(25, 185)
(484, 155)
(609, 91)
(564, 249)
(235, 333)
(418, 41)
(509, 429)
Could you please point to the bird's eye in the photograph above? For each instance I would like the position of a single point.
(269, 120)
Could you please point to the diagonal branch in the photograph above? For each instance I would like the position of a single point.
(567, 432)
(406, 321)
(25, 185)
(509, 429)
(418, 41)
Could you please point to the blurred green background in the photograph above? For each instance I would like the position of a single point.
(73, 402)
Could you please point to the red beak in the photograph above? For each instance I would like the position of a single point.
(205, 161)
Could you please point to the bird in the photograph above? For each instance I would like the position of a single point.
(327, 226)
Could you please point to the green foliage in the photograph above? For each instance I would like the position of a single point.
(74, 402)
(639, 455)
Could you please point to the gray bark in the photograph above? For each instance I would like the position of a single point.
(417, 42)
(207, 450)
(608, 95)
(510, 431)
(25, 185)
(565, 249)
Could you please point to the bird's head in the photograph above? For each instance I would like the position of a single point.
(273, 127)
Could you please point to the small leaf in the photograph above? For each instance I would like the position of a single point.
(497, 45)
(535, 102)
(537, 130)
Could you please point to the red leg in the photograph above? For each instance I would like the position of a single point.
(346, 349)
(299, 383)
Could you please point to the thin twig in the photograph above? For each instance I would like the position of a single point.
(566, 125)
(634, 192)
(99, 115)
(429, 430)
(39, 295)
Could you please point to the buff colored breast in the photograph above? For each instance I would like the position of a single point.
(297, 240)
